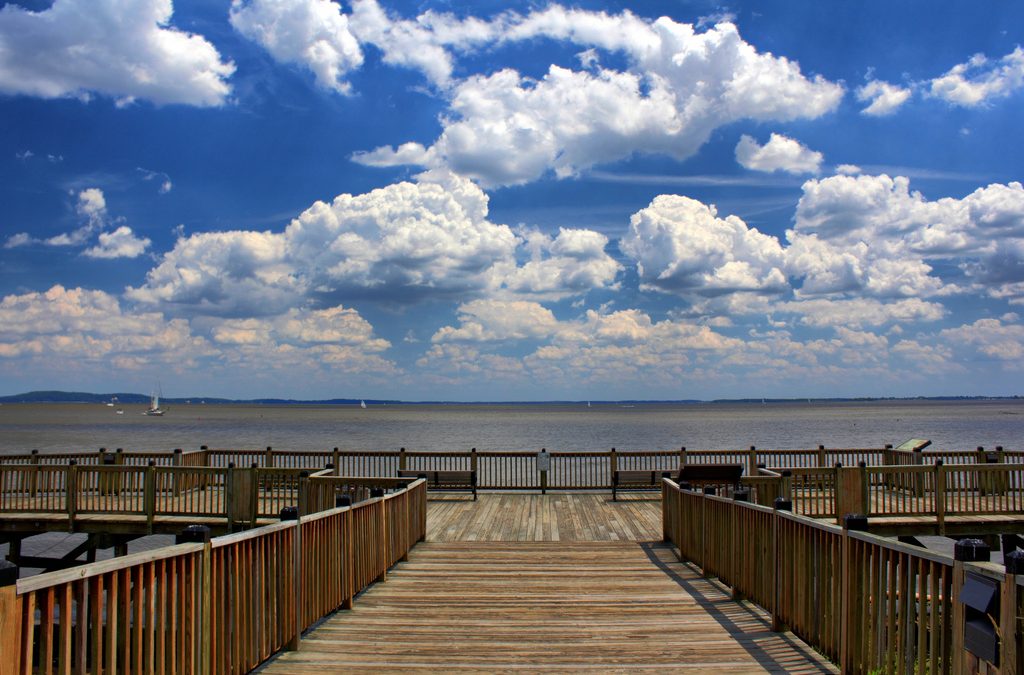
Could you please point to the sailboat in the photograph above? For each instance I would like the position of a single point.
(154, 406)
(362, 404)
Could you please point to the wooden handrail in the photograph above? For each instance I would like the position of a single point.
(867, 602)
(223, 605)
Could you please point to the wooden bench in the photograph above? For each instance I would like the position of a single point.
(702, 475)
(637, 480)
(444, 480)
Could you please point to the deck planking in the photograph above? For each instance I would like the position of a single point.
(552, 517)
(566, 606)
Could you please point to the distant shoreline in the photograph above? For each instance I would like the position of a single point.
(132, 398)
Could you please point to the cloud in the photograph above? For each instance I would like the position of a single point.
(885, 98)
(860, 312)
(121, 243)
(681, 246)
(401, 243)
(165, 181)
(980, 80)
(312, 33)
(495, 320)
(124, 49)
(78, 330)
(679, 86)
(778, 154)
(899, 233)
(19, 239)
(91, 206)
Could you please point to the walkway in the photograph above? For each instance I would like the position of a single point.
(599, 606)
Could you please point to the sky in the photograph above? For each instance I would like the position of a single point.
(512, 201)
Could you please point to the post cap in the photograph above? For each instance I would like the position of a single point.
(1014, 561)
(109, 459)
(786, 473)
(856, 522)
(231, 465)
(862, 464)
(290, 513)
(151, 462)
(709, 489)
(971, 550)
(254, 465)
(343, 500)
(177, 451)
(839, 465)
(783, 504)
(8, 573)
(741, 496)
(193, 534)
(376, 492)
(303, 474)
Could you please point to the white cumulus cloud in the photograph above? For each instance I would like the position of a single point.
(885, 98)
(313, 33)
(121, 243)
(780, 153)
(124, 49)
(980, 80)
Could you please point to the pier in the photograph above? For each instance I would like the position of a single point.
(327, 560)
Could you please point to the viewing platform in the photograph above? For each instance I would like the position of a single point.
(328, 561)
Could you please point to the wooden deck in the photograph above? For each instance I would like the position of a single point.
(561, 582)
(599, 606)
(553, 517)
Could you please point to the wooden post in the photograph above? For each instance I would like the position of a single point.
(752, 461)
(1010, 617)
(849, 589)
(176, 462)
(336, 460)
(403, 459)
(34, 478)
(200, 534)
(291, 513)
(613, 466)
(964, 551)
(268, 460)
(682, 456)
(851, 491)
(10, 620)
(821, 456)
(229, 491)
(71, 487)
(473, 460)
(149, 496)
(544, 478)
(940, 496)
(776, 608)
(304, 493)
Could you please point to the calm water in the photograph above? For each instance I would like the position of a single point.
(950, 425)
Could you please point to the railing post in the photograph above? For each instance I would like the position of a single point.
(403, 459)
(254, 493)
(965, 550)
(851, 575)
(176, 462)
(291, 513)
(229, 491)
(682, 456)
(543, 478)
(752, 461)
(268, 460)
(304, 493)
(613, 466)
(851, 492)
(336, 461)
(940, 497)
(10, 619)
(776, 608)
(150, 494)
(200, 534)
(34, 477)
(821, 456)
(71, 487)
(1009, 657)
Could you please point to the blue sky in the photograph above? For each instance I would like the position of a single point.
(506, 201)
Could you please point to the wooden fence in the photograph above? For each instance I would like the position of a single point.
(206, 606)
(868, 603)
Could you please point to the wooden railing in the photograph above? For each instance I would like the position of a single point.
(208, 606)
(868, 603)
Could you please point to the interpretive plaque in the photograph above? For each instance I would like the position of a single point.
(543, 461)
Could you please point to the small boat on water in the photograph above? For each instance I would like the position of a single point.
(154, 406)
(119, 411)
(362, 404)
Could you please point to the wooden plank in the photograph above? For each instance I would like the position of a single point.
(556, 605)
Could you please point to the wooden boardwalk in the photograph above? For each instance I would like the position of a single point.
(553, 517)
(547, 598)
(600, 606)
